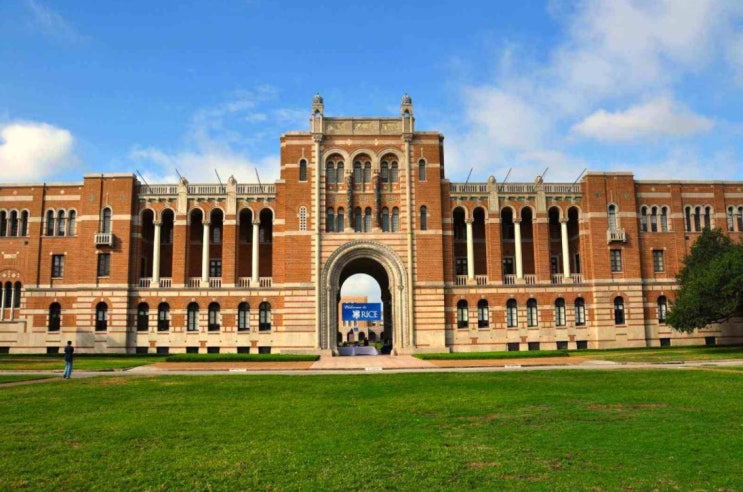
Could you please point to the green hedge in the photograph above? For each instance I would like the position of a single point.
(493, 355)
(242, 358)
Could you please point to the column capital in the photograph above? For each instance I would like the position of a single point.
(563, 221)
(205, 222)
(256, 222)
(157, 223)
(469, 220)
(517, 221)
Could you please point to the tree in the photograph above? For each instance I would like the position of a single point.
(711, 283)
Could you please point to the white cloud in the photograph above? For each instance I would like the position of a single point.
(30, 151)
(53, 24)
(659, 117)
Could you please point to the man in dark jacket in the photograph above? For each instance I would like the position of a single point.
(68, 351)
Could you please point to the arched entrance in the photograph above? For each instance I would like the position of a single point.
(385, 266)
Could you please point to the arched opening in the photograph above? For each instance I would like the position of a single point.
(245, 243)
(265, 235)
(195, 238)
(479, 242)
(574, 239)
(508, 246)
(216, 221)
(167, 221)
(460, 241)
(148, 234)
(357, 289)
(527, 241)
(555, 240)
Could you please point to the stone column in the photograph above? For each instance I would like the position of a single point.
(470, 250)
(156, 256)
(205, 255)
(517, 242)
(12, 302)
(254, 266)
(2, 301)
(565, 250)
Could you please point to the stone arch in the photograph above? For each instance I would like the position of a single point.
(330, 285)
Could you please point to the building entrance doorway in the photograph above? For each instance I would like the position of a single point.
(383, 266)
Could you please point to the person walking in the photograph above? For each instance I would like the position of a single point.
(68, 351)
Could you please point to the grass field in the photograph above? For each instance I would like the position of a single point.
(83, 362)
(544, 430)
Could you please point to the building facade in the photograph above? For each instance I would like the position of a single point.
(116, 265)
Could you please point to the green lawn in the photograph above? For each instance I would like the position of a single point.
(542, 430)
(14, 378)
(83, 362)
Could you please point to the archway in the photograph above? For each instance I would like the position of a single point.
(384, 266)
(361, 288)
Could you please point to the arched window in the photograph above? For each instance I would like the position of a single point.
(3, 223)
(13, 223)
(24, 223)
(8, 294)
(330, 176)
(330, 220)
(385, 220)
(662, 309)
(463, 316)
(61, 229)
(101, 317)
(264, 317)
(216, 231)
(512, 314)
(71, 224)
(367, 172)
(303, 170)
(339, 173)
(731, 219)
(424, 218)
(393, 173)
(618, 311)
(213, 316)
(339, 221)
(654, 219)
(143, 316)
(163, 317)
(302, 218)
(483, 314)
(421, 170)
(740, 219)
(707, 217)
(613, 218)
(698, 219)
(560, 312)
(580, 312)
(358, 225)
(395, 219)
(384, 172)
(367, 219)
(357, 173)
(17, 295)
(664, 219)
(192, 317)
(644, 219)
(243, 317)
(55, 316)
(687, 219)
(106, 220)
(50, 223)
(532, 317)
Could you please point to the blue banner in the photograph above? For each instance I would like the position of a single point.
(362, 311)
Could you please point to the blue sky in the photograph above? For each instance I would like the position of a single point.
(652, 87)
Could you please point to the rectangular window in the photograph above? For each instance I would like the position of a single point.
(554, 265)
(658, 263)
(104, 264)
(616, 260)
(460, 265)
(215, 268)
(508, 265)
(57, 266)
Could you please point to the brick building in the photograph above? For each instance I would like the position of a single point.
(121, 266)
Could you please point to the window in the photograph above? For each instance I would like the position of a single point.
(358, 225)
(106, 220)
(55, 316)
(8, 294)
(264, 317)
(707, 217)
(731, 219)
(163, 321)
(658, 263)
(463, 316)
(17, 295)
(357, 176)
(698, 219)
(71, 225)
(339, 221)
(395, 219)
(101, 317)
(60, 223)
(243, 317)
(367, 172)
(216, 234)
(460, 266)
(14, 223)
(330, 176)
(104, 264)
(654, 219)
(687, 219)
(339, 177)
(214, 317)
(393, 173)
(329, 220)
(424, 218)
(531, 313)
(192, 317)
(618, 311)
(384, 173)
(580, 312)
(421, 170)
(483, 314)
(644, 219)
(613, 218)
(3, 223)
(560, 312)
(740, 219)
(303, 170)
(57, 266)
(367, 219)
(143, 316)
(512, 314)
(664, 219)
(302, 218)
(215, 268)
(662, 309)
(616, 260)
(508, 265)
(50, 223)
(385, 220)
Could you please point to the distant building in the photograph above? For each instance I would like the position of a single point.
(355, 331)
(120, 266)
